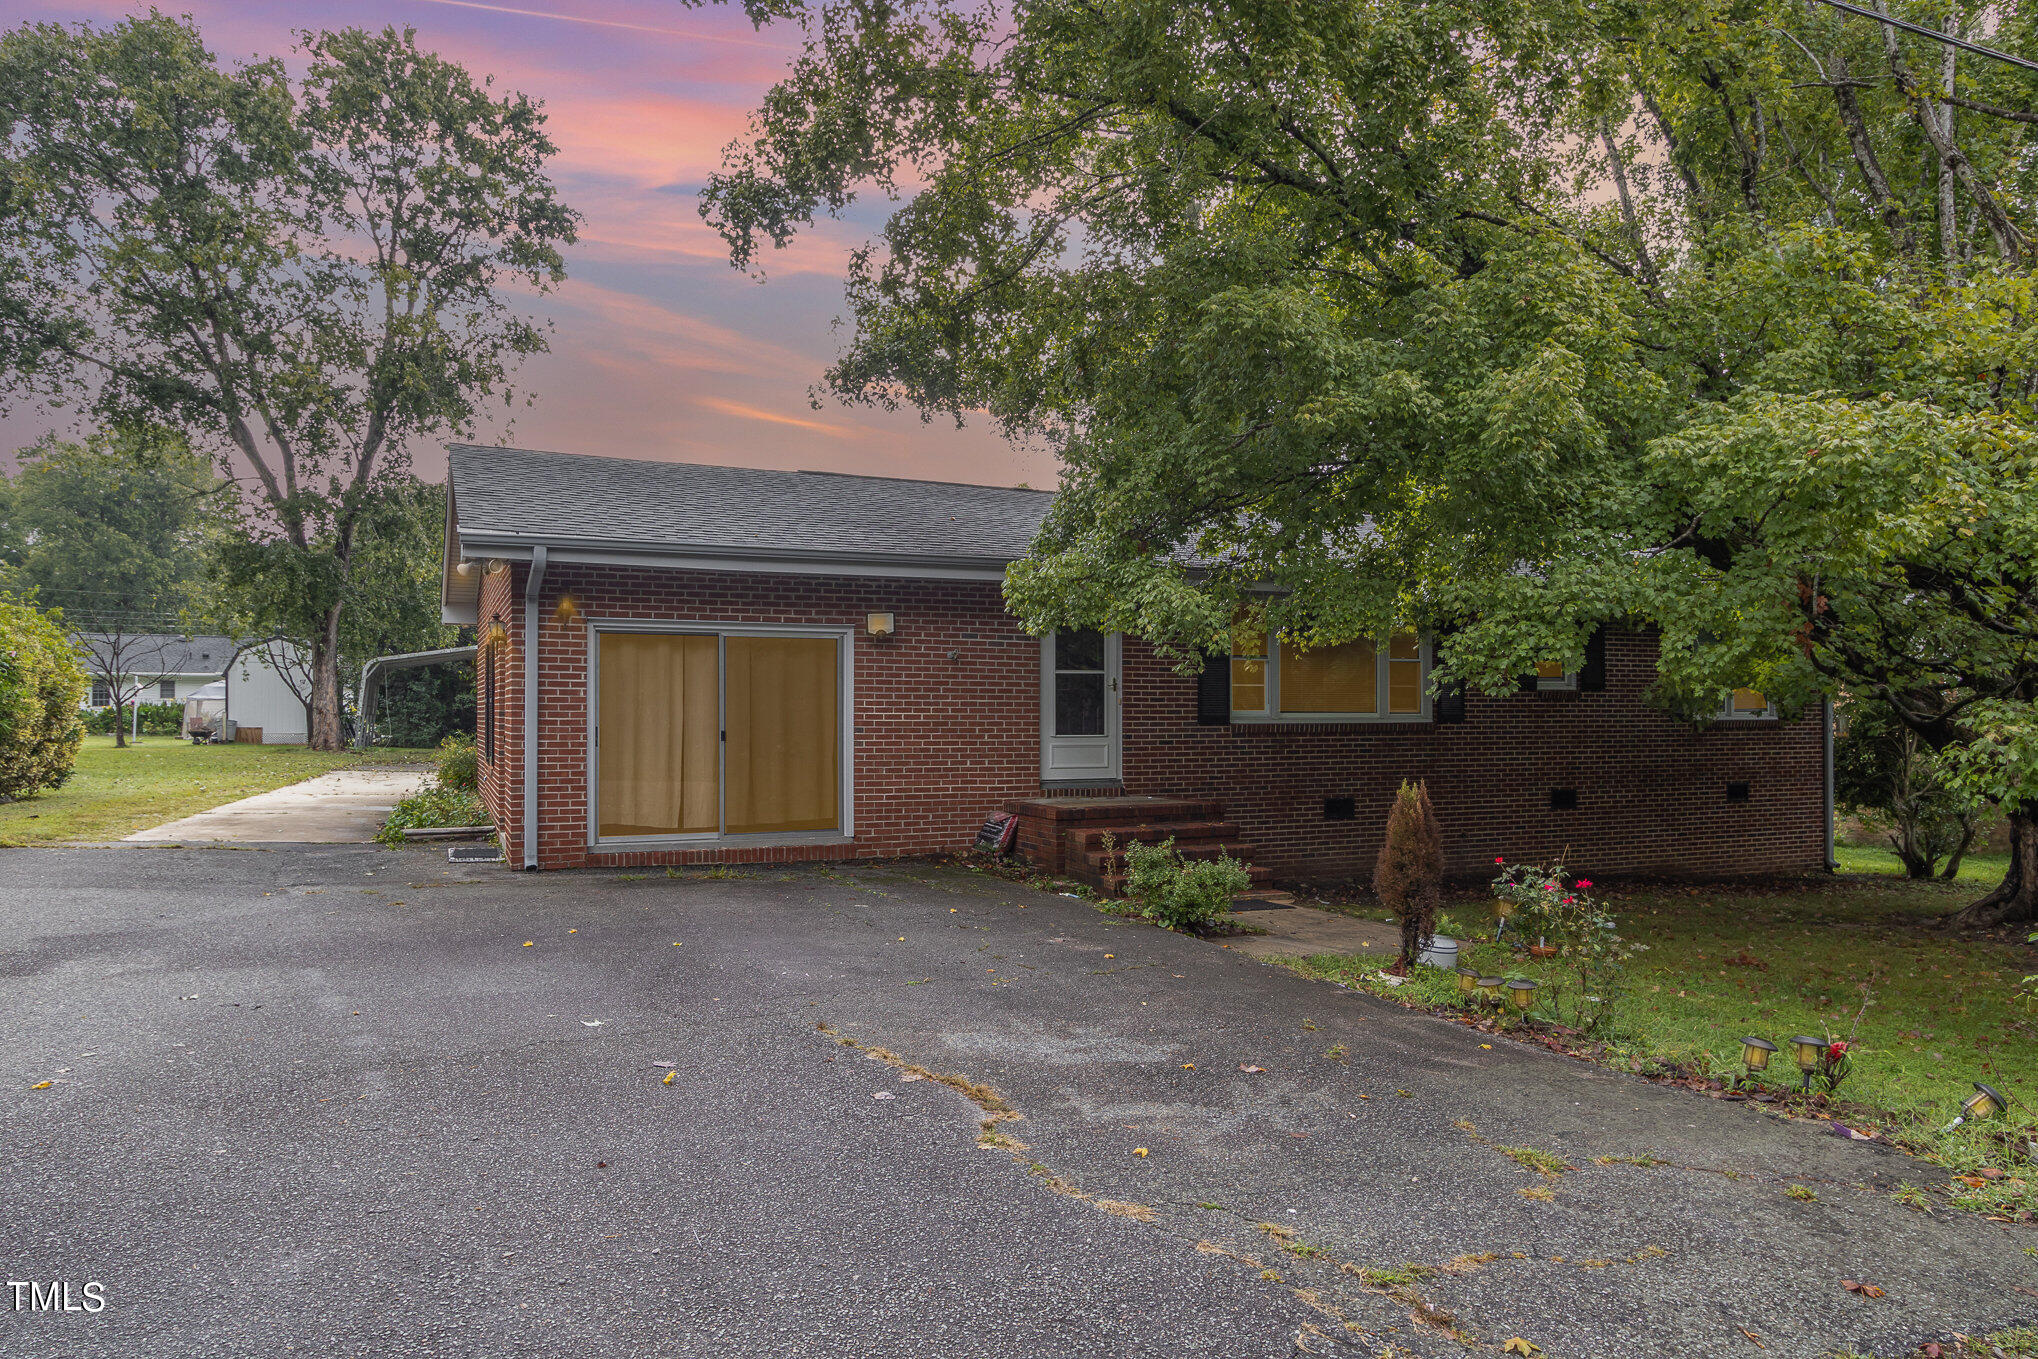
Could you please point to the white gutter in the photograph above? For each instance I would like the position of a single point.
(1832, 862)
(532, 584)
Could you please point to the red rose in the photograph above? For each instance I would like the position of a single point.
(1497, 859)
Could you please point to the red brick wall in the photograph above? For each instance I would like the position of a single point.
(947, 729)
(947, 711)
(1651, 789)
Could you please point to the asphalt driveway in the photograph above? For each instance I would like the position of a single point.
(329, 1101)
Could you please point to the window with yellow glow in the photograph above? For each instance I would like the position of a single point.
(1747, 704)
(1352, 681)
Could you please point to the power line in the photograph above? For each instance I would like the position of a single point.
(1934, 34)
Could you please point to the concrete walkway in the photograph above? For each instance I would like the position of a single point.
(1299, 931)
(345, 807)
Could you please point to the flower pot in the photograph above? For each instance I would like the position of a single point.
(1442, 952)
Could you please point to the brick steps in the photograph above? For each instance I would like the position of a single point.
(1067, 835)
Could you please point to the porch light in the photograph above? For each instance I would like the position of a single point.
(880, 624)
(464, 569)
(1468, 981)
(568, 609)
(1755, 1054)
(1489, 990)
(1521, 994)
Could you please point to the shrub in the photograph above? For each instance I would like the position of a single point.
(1181, 894)
(436, 805)
(459, 764)
(1409, 876)
(41, 684)
(157, 719)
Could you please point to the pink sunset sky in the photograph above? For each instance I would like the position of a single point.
(660, 349)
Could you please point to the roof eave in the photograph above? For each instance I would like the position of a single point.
(513, 546)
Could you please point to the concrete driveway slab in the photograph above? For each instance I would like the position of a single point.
(346, 806)
(357, 1101)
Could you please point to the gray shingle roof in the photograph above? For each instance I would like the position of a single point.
(518, 493)
(161, 653)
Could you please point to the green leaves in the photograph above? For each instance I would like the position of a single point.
(301, 276)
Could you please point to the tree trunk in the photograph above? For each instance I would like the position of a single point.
(2016, 901)
(119, 722)
(327, 730)
(1967, 834)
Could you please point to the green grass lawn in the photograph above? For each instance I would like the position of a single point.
(1986, 869)
(1720, 962)
(114, 793)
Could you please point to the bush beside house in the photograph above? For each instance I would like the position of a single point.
(42, 683)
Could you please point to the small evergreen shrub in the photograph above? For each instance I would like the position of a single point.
(41, 684)
(1178, 893)
(1409, 876)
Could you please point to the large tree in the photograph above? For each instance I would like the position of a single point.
(1500, 319)
(113, 532)
(274, 599)
(305, 276)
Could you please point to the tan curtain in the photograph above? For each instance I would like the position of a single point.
(1404, 673)
(659, 703)
(784, 755)
(1329, 679)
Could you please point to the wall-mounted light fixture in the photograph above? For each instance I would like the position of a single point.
(463, 569)
(567, 610)
(880, 624)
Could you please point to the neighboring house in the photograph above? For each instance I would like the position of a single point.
(151, 667)
(740, 665)
(261, 682)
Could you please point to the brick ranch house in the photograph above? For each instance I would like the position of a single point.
(688, 664)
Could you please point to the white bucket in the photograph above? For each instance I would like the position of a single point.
(1442, 952)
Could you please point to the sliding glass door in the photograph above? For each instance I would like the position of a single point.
(717, 734)
(784, 744)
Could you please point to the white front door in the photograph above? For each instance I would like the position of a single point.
(1079, 706)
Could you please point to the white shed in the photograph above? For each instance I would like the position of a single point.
(263, 688)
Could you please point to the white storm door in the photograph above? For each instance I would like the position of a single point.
(1079, 700)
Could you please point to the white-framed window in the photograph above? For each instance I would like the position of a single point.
(1552, 677)
(1276, 680)
(166, 689)
(102, 694)
(1746, 705)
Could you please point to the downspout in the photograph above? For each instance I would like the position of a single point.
(1832, 863)
(532, 584)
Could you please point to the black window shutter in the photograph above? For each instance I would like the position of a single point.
(1213, 692)
(1447, 704)
(1528, 683)
(1592, 678)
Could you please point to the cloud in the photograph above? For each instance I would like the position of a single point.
(692, 35)
(741, 411)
